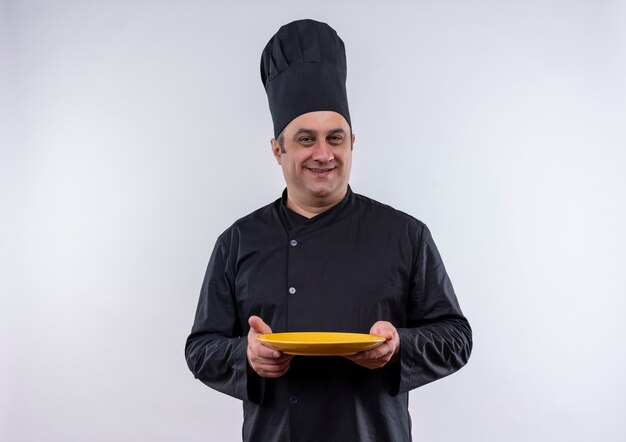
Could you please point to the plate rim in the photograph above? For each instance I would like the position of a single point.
(375, 339)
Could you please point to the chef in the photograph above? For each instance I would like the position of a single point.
(323, 258)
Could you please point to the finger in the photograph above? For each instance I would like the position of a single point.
(273, 370)
(263, 365)
(371, 359)
(258, 325)
(375, 353)
(384, 330)
(371, 364)
(272, 374)
(261, 350)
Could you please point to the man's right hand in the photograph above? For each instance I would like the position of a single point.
(265, 361)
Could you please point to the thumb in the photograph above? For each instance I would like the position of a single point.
(258, 325)
(382, 329)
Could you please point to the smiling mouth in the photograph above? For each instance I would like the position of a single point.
(320, 171)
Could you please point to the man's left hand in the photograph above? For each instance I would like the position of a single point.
(387, 351)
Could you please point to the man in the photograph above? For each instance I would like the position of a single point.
(323, 258)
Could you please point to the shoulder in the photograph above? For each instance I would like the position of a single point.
(256, 221)
(261, 215)
(386, 213)
(394, 223)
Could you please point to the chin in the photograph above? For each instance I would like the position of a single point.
(323, 192)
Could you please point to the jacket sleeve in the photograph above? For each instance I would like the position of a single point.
(437, 339)
(216, 348)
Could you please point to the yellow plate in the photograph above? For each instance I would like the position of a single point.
(320, 343)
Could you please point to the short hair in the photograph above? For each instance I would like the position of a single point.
(281, 141)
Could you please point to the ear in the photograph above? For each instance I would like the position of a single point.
(276, 150)
(353, 140)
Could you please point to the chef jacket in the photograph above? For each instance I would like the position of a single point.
(357, 263)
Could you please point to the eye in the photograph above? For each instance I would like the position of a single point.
(335, 139)
(306, 140)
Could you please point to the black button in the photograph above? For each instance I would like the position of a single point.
(293, 400)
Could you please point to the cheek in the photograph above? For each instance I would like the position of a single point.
(346, 159)
(290, 168)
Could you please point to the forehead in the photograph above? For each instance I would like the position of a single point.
(319, 121)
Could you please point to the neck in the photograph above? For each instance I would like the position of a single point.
(311, 209)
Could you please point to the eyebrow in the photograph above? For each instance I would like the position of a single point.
(314, 132)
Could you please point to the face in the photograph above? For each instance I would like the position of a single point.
(316, 157)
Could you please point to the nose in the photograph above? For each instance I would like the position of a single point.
(322, 152)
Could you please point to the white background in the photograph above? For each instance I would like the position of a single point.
(134, 132)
